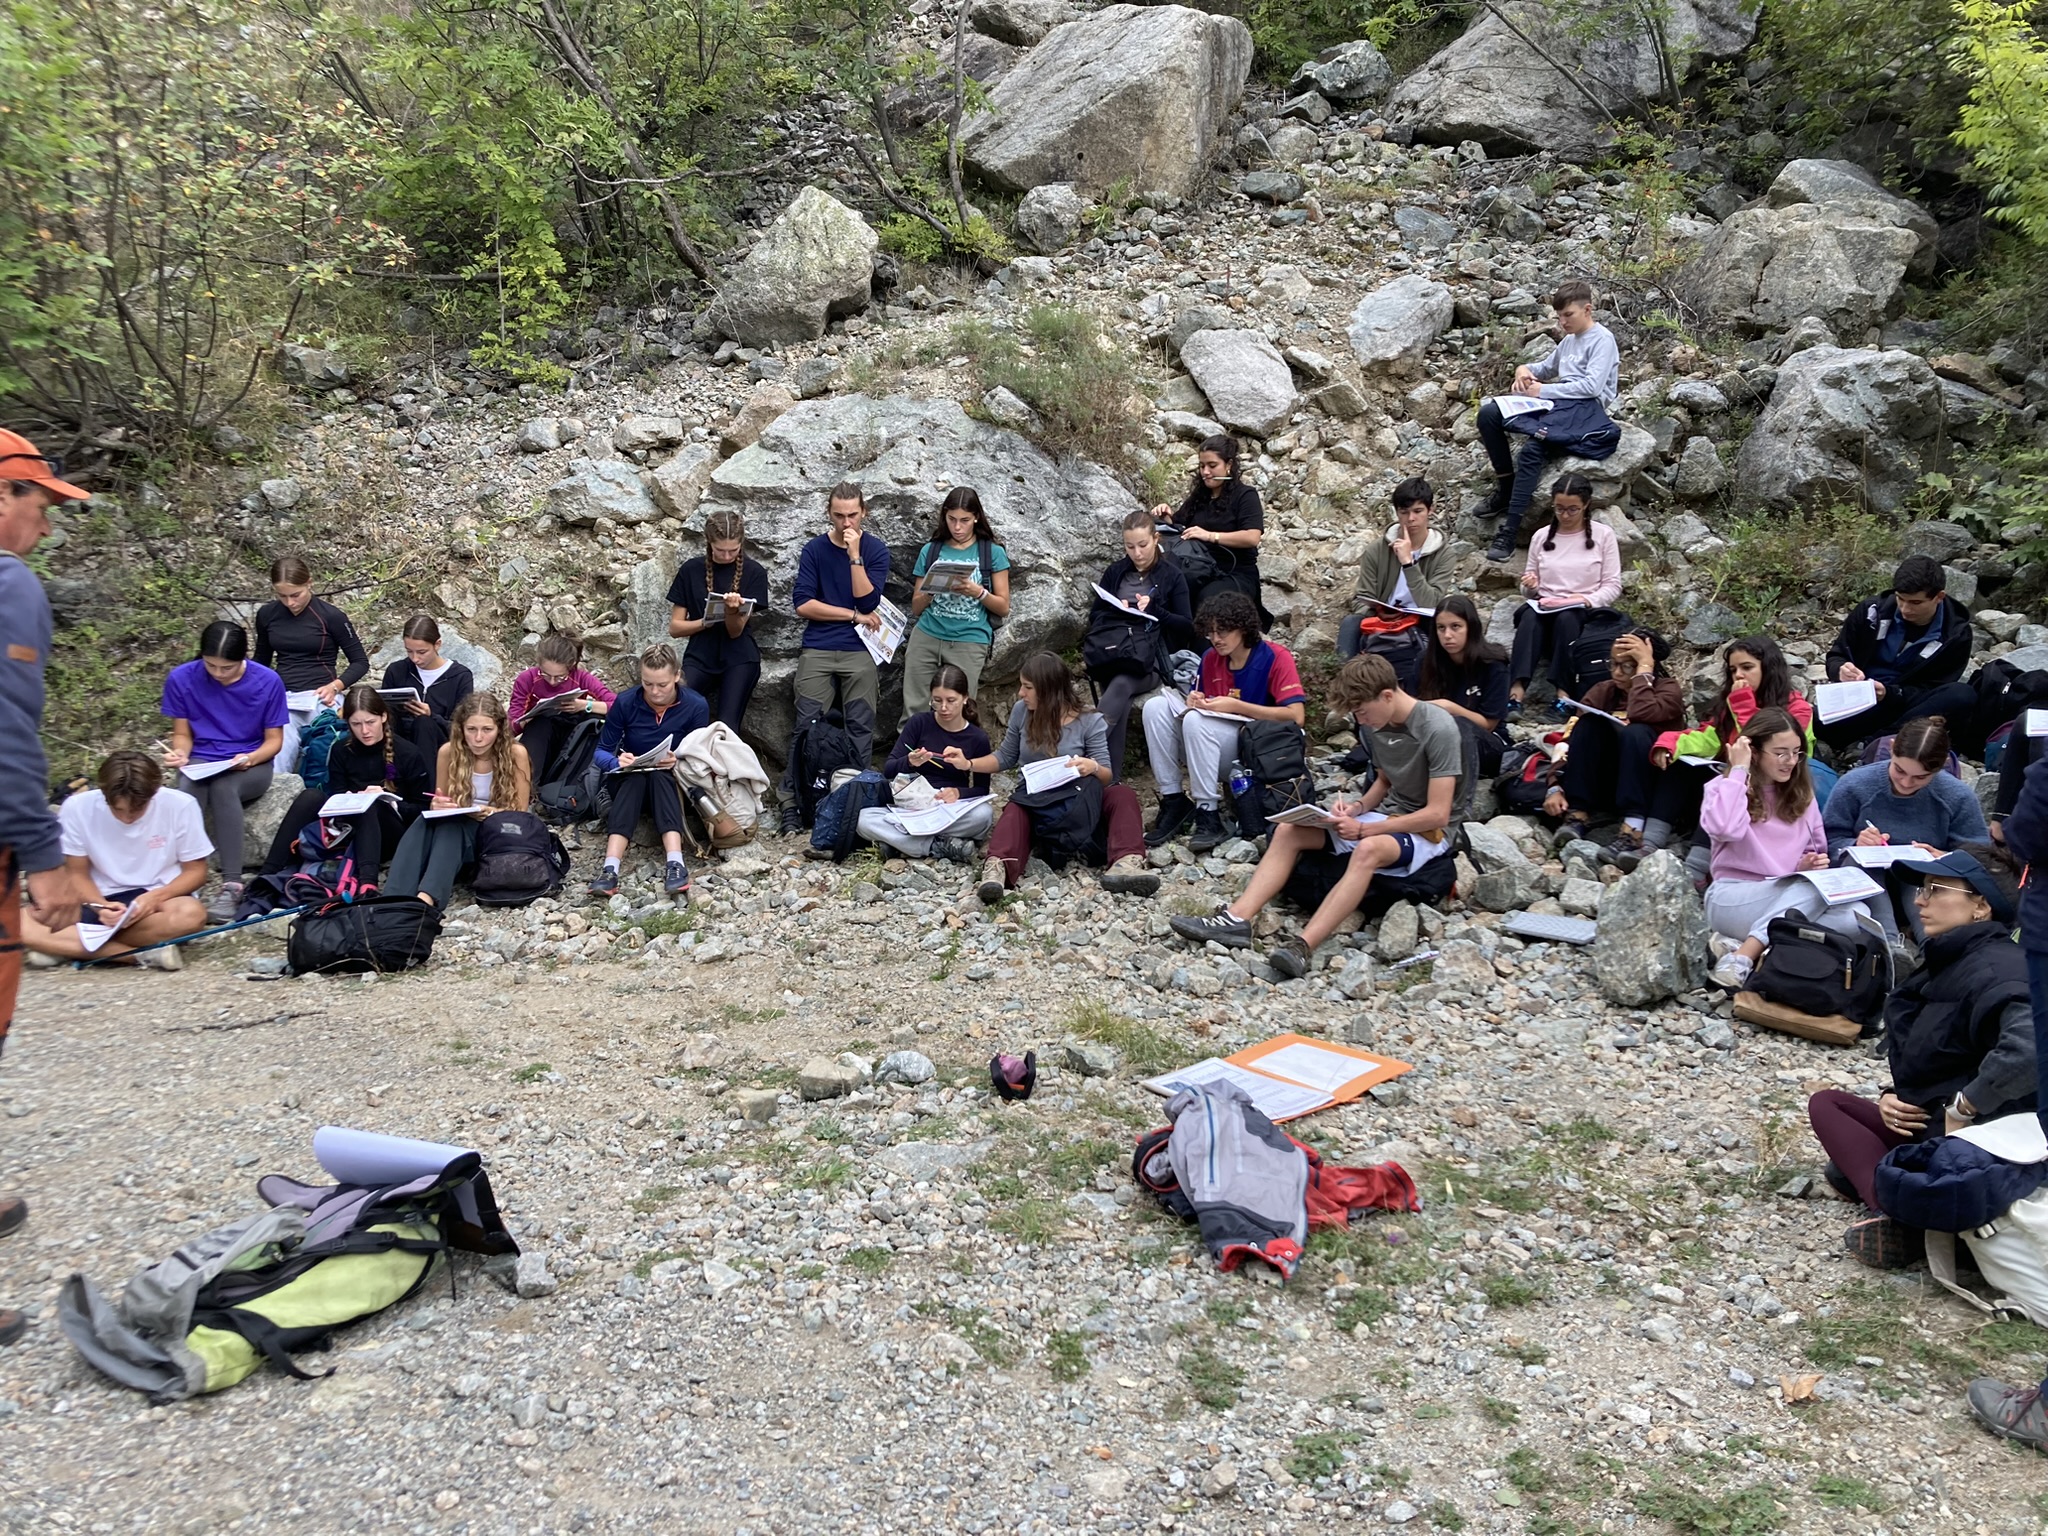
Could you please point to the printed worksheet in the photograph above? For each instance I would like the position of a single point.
(1123, 607)
(1512, 406)
(1845, 884)
(883, 640)
(1838, 701)
(1048, 773)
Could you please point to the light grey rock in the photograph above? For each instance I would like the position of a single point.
(1006, 409)
(1271, 186)
(531, 1277)
(1049, 217)
(486, 666)
(638, 433)
(1349, 72)
(1359, 976)
(1962, 585)
(1422, 230)
(823, 1078)
(1491, 86)
(1292, 144)
(815, 264)
(679, 482)
(757, 1106)
(1309, 107)
(1198, 317)
(1021, 23)
(595, 488)
(910, 1067)
(1652, 942)
(1128, 93)
(1392, 326)
(817, 376)
(1699, 396)
(261, 820)
(1827, 241)
(282, 495)
(1248, 382)
(1844, 424)
(1690, 536)
(1400, 932)
(722, 1277)
(543, 434)
(1580, 898)
(1462, 966)
(1188, 427)
(1089, 1059)
(1701, 475)
(1713, 623)
(313, 368)
(921, 1161)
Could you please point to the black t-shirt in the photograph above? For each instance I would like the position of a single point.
(1236, 508)
(353, 767)
(691, 591)
(1482, 689)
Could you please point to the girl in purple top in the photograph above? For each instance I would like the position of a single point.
(224, 708)
(921, 750)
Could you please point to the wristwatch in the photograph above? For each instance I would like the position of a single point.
(1961, 1108)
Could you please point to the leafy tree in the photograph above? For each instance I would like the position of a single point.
(2004, 124)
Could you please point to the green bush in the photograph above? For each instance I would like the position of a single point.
(1068, 368)
(1774, 560)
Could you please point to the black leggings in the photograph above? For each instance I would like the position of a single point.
(376, 829)
(1952, 701)
(734, 687)
(431, 856)
(654, 791)
(1118, 694)
(1546, 638)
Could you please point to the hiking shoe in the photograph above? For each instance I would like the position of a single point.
(1502, 549)
(13, 1212)
(12, 1326)
(954, 850)
(994, 881)
(225, 903)
(1514, 709)
(1883, 1243)
(1732, 972)
(1130, 876)
(605, 882)
(1838, 1181)
(1497, 503)
(1626, 851)
(1230, 931)
(1175, 811)
(792, 820)
(2017, 1413)
(1291, 957)
(1209, 833)
(166, 959)
(677, 880)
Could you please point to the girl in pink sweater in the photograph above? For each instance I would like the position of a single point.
(1765, 828)
(560, 671)
(1574, 567)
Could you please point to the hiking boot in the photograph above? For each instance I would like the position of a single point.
(1626, 851)
(1732, 972)
(12, 1326)
(1130, 876)
(1291, 957)
(792, 820)
(1175, 811)
(1497, 503)
(13, 1212)
(1502, 549)
(605, 882)
(677, 879)
(1226, 929)
(1838, 1181)
(2017, 1413)
(166, 959)
(225, 903)
(1883, 1243)
(954, 850)
(994, 882)
(1209, 833)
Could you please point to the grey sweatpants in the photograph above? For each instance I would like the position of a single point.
(223, 798)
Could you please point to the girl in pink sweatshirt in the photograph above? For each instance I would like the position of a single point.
(559, 671)
(1765, 828)
(1574, 567)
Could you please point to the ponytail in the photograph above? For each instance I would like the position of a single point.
(954, 680)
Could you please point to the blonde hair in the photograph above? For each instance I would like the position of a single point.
(508, 759)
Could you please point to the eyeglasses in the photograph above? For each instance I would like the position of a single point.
(1932, 888)
(1783, 754)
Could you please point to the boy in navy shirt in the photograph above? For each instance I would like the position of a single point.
(839, 581)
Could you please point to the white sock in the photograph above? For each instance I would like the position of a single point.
(1633, 823)
(612, 865)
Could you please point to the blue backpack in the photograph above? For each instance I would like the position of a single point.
(316, 740)
(836, 827)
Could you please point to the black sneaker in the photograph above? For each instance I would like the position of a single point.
(1209, 830)
(954, 850)
(677, 881)
(1231, 932)
(1175, 811)
(1497, 503)
(605, 882)
(1291, 957)
(792, 820)
(1501, 549)
(13, 1212)
(2017, 1413)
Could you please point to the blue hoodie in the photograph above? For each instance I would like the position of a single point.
(26, 823)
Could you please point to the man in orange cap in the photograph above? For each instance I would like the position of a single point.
(30, 853)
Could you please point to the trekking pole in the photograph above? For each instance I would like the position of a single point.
(204, 933)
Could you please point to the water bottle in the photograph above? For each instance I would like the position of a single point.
(1240, 781)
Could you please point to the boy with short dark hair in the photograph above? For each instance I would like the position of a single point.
(1913, 642)
(1409, 568)
(838, 592)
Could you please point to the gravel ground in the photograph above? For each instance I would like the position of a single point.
(914, 1308)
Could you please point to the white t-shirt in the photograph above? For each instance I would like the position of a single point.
(169, 833)
(428, 679)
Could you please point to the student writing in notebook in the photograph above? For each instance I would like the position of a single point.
(660, 709)
(920, 751)
(440, 682)
(1123, 655)
(1764, 829)
(1913, 642)
(722, 659)
(481, 770)
(372, 755)
(137, 852)
(1575, 566)
(557, 670)
(1910, 797)
(225, 709)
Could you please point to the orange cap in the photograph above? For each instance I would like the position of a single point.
(21, 460)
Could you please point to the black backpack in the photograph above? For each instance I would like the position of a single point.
(1589, 653)
(819, 751)
(1275, 754)
(1066, 823)
(1199, 560)
(1524, 778)
(2004, 693)
(575, 791)
(1118, 645)
(1819, 971)
(385, 933)
(517, 860)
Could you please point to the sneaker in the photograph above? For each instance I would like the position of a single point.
(1514, 709)
(1175, 811)
(1838, 1181)
(677, 880)
(1732, 972)
(2017, 1413)
(1130, 876)
(13, 1212)
(1883, 1243)
(169, 958)
(1720, 946)
(12, 1326)
(1502, 549)
(1230, 931)
(1626, 851)
(994, 881)
(1209, 833)
(1291, 957)
(605, 882)
(225, 903)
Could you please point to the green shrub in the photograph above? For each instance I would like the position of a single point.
(1773, 560)
(1064, 365)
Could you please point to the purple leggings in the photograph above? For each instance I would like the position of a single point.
(1853, 1136)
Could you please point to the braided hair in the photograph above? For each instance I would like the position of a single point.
(1578, 486)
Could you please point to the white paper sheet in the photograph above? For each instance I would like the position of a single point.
(1313, 1067)
(1888, 854)
(1845, 884)
(1587, 709)
(1558, 605)
(934, 819)
(1304, 816)
(1838, 701)
(442, 813)
(95, 935)
(650, 760)
(355, 804)
(948, 576)
(2037, 722)
(365, 1157)
(883, 640)
(554, 704)
(303, 701)
(1279, 1100)
(1048, 773)
(1702, 762)
(1123, 607)
(197, 772)
(1402, 610)
(1512, 406)
(400, 695)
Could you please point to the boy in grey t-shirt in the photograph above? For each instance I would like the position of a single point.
(1397, 826)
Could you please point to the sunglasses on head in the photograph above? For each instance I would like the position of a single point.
(52, 461)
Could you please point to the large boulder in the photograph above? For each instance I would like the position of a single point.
(1247, 381)
(595, 488)
(815, 264)
(924, 100)
(261, 820)
(1652, 940)
(1519, 76)
(1848, 424)
(1057, 519)
(1392, 326)
(1348, 72)
(484, 666)
(1130, 93)
(1826, 241)
(313, 368)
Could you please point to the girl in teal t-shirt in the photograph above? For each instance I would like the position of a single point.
(956, 608)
